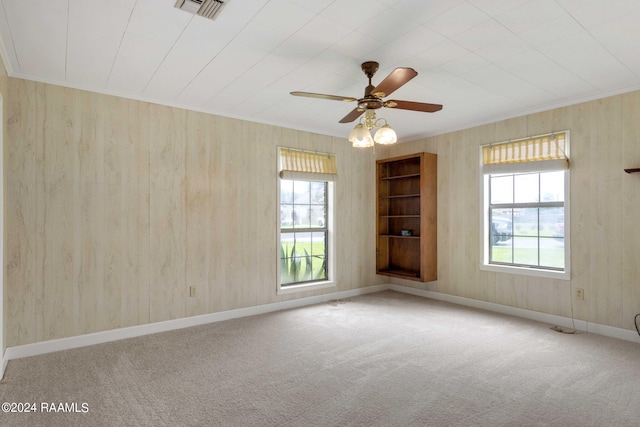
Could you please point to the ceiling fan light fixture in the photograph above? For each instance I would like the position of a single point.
(372, 101)
(360, 137)
(385, 135)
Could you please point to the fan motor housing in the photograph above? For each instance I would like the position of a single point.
(370, 103)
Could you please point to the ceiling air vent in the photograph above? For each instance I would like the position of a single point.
(206, 8)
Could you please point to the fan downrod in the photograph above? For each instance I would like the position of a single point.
(369, 102)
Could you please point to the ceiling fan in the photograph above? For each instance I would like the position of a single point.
(372, 100)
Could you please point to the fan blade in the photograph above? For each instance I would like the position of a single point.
(323, 96)
(354, 114)
(393, 81)
(415, 106)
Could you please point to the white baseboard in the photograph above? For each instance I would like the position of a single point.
(566, 322)
(50, 346)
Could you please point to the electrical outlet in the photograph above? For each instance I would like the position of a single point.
(192, 291)
(580, 294)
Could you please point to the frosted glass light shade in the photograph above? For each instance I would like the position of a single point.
(360, 137)
(385, 135)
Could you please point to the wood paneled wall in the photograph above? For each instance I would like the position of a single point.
(604, 209)
(114, 208)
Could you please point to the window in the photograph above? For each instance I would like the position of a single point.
(525, 216)
(305, 195)
(303, 232)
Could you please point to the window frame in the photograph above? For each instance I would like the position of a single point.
(485, 243)
(330, 246)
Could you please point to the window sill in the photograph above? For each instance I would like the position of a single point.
(527, 271)
(305, 287)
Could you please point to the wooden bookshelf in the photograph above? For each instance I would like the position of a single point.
(406, 226)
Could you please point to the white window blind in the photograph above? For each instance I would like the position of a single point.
(540, 153)
(307, 165)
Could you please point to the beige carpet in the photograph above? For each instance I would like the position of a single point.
(385, 359)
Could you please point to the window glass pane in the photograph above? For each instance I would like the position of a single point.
(306, 268)
(287, 240)
(501, 225)
(552, 186)
(502, 252)
(317, 215)
(501, 188)
(289, 263)
(552, 222)
(319, 268)
(318, 255)
(300, 216)
(301, 192)
(525, 250)
(286, 216)
(303, 243)
(552, 252)
(525, 222)
(317, 244)
(526, 188)
(318, 192)
(286, 191)
(501, 235)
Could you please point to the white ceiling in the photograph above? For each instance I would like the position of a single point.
(484, 60)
